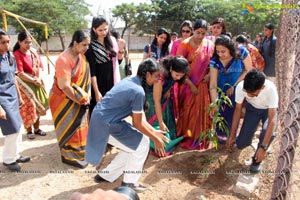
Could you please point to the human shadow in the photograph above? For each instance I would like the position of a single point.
(90, 189)
(45, 160)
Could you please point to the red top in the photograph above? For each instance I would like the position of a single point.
(29, 64)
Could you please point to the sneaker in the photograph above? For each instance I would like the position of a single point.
(15, 167)
(137, 188)
(255, 167)
(99, 179)
(23, 159)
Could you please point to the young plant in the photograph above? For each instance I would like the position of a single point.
(218, 121)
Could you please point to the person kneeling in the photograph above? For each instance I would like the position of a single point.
(262, 102)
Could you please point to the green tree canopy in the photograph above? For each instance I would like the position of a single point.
(147, 18)
(62, 16)
(133, 15)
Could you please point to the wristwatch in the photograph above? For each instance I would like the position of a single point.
(264, 147)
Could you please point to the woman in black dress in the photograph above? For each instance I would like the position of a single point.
(102, 57)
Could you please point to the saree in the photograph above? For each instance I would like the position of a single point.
(36, 102)
(193, 116)
(35, 97)
(227, 77)
(71, 119)
(167, 109)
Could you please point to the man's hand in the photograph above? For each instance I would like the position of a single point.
(260, 155)
(229, 144)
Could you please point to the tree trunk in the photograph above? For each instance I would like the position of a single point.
(62, 39)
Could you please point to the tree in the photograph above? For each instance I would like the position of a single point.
(133, 15)
(172, 13)
(62, 16)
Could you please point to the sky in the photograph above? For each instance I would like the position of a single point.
(103, 7)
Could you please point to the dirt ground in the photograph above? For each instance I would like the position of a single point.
(186, 175)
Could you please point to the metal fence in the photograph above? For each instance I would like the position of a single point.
(287, 182)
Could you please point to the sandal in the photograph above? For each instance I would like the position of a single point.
(40, 132)
(30, 135)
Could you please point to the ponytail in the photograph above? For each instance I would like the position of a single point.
(147, 65)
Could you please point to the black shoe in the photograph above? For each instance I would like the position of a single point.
(99, 179)
(255, 167)
(23, 159)
(15, 167)
(137, 188)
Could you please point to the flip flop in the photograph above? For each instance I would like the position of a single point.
(30, 135)
(40, 132)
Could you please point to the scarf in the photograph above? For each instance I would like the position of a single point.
(101, 54)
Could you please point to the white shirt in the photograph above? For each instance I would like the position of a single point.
(267, 97)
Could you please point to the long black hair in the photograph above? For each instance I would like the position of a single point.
(148, 65)
(78, 36)
(269, 26)
(165, 47)
(98, 21)
(21, 37)
(176, 63)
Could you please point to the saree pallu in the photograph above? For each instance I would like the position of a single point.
(166, 103)
(36, 102)
(167, 115)
(193, 116)
(71, 119)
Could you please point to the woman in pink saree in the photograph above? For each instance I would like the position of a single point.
(194, 97)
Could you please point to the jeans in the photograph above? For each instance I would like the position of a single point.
(250, 124)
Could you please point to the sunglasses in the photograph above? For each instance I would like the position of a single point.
(28, 42)
(185, 31)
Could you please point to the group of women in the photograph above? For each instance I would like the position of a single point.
(215, 61)
(88, 101)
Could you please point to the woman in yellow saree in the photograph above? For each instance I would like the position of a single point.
(69, 100)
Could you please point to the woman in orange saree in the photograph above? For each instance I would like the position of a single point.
(194, 97)
(69, 99)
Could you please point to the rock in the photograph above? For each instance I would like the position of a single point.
(245, 185)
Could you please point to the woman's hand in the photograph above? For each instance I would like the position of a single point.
(2, 113)
(168, 94)
(213, 111)
(38, 81)
(21, 102)
(230, 91)
(159, 142)
(194, 90)
(98, 97)
(163, 127)
(206, 78)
